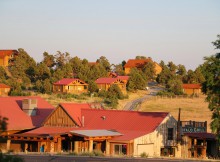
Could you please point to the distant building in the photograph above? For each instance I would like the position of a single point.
(139, 64)
(7, 57)
(70, 85)
(4, 89)
(192, 89)
(106, 83)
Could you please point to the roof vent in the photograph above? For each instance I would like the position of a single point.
(29, 106)
(103, 117)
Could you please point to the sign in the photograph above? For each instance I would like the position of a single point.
(191, 129)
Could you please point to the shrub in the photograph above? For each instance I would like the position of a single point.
(144, 155)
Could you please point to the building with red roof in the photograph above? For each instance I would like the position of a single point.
(79, 128)
(192, 89)
(139, 64)
(70, 85)
(106, 83)
(7, 56)
(23, 114)
(4, 89)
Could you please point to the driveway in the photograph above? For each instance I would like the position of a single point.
(152, 91)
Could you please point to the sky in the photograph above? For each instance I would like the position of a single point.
(180, 31)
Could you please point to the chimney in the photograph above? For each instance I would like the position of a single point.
(29, 106)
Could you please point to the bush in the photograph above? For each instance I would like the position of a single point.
(144, 155)
(98, 153)
(10, 158)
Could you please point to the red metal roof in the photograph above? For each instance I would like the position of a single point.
(131, 124)
(66, 81)
(192, 86)
(74, 110)
(10, 107)
(123, 77)
(49, 131)
(4, 86)
(137, 63)
(7, 52)
(106, 80)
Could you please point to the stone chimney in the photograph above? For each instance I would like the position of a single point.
(29, 106)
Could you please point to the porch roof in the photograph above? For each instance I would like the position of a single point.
(95, 133)
(201, 135)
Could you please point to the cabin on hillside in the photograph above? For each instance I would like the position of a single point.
(192, 89)
(106, 83)
(139, 64)
(7, 57)
(78, 128)
(4, 89)
(70, 85)
(23, 114)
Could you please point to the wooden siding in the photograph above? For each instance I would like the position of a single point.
(59, 118)
(4, 91)
(158, 139)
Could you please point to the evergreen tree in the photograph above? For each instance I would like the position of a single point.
(211, 87)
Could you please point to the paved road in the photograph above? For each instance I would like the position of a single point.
(56, 158)
(152, 91)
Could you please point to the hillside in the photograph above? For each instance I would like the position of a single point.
(191, 108)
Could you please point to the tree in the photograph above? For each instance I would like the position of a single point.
(137, 80)
(149, 70)
(211, 87)
(49, 60)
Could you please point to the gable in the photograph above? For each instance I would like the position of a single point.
(60, 118)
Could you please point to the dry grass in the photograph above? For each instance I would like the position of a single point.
(132, 96)
(191, 108)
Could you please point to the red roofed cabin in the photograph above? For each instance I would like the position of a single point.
(106, 83)
(192, 89)
(7, 56)
(24, 114)
(139, 63)
(4, 89)
(79, 128)
(67, 85)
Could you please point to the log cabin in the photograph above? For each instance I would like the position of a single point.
(139, 64)
(106, 83)
(4, 89)
(192, 89)
(7, 57)
(70, 85)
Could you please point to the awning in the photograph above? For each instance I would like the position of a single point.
(210, 136)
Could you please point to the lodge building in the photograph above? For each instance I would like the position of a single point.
(33, 123)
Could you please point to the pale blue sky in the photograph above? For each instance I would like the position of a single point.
(169, 30)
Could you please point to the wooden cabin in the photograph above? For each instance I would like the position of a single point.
(139, 64)
(192, 89)
(106, 83)
(4, 89)
(7, 57)
(70, 85)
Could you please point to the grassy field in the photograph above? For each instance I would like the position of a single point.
(191, 108)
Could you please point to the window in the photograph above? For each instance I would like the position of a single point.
(170, 133)
(120, 149)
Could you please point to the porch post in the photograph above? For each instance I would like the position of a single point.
(90, 145)
(8, 144)
(107, 147)
(59, 147)
(76, 147)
